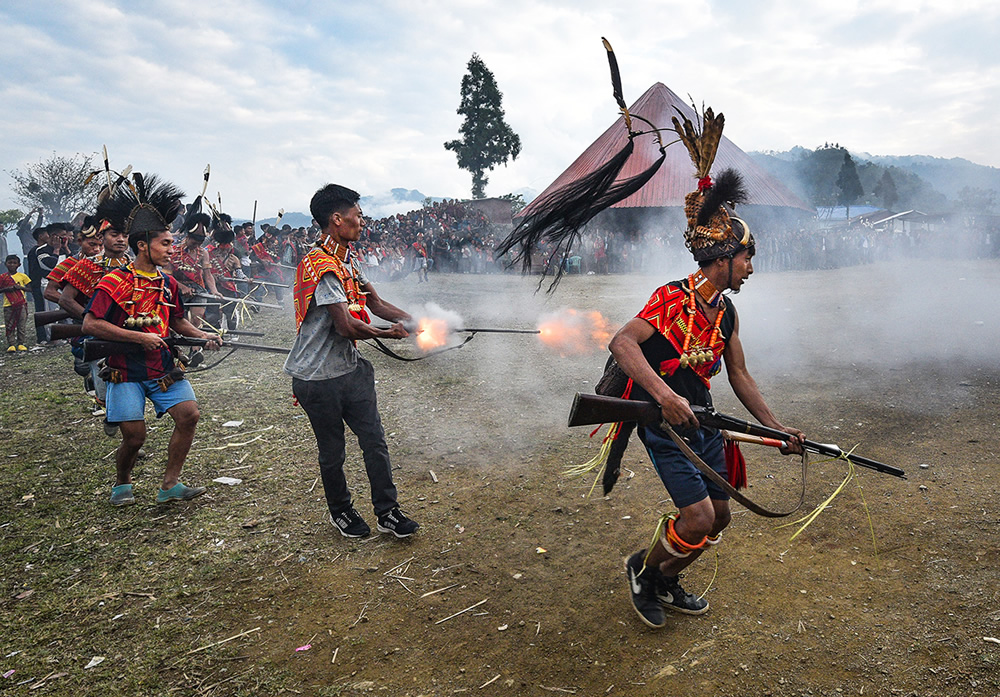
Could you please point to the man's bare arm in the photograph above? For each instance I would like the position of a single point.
(102, 329)
(380, 308)
(67, 301)
(625, 348)
(349, 326)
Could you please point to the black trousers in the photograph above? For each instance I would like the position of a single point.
(348, 399)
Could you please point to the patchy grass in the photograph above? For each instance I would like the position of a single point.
(214, 597)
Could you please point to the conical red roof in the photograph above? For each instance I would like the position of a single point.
(675, 178)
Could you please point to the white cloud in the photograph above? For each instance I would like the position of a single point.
(283, 97)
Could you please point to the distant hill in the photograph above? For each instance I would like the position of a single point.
(948, 176)
(930, 184)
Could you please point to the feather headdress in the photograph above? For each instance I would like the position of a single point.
(144, 206)
(712, 230)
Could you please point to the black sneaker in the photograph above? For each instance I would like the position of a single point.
(642, 587)
(673, 597)
(350, 523)
(396, 522)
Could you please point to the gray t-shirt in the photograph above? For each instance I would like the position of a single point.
(319, 352)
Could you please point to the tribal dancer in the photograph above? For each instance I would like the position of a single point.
(330, 379)
(139, 304)
(189, 263)
(79, 284)
(264, 255)
(90, 245)
(670, 350)
(225, 266)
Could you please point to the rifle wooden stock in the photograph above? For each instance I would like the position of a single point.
(65, 331)
(50, 316)
(94, 349)
(591, 409)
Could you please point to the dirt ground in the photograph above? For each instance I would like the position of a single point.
(514, 583)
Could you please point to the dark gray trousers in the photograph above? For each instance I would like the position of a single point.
(348, 399)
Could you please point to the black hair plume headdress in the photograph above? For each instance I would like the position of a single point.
(556, 219)
(146, 205)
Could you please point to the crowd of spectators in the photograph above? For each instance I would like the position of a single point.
(452, 237)
(445, 236)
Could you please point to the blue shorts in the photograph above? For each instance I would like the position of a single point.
(685, 482)
(126, 401)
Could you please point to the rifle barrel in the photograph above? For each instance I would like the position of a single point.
(492, 330)
(265, 283)
(477, 330)
(210, 301)
(50, 316)
(65, 331)
(710, 417)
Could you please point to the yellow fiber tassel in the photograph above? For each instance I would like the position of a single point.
(599, 460)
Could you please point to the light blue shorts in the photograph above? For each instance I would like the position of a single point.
(127, 400)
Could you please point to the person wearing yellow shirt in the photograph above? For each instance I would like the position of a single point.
(15, 304)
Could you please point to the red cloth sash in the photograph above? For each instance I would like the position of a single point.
(217, 256)
(59, 272)
(317, 262)
(186, 266)
(84, 276)
(262, 253)
(16, 298)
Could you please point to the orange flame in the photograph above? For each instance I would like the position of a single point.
(432, 333)
(574, 333)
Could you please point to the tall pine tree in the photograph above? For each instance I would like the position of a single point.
(848, 183)
(487, 140)
(886, 190)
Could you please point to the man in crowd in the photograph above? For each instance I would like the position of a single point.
(331, 380)
(25, 230)
(80, 283)
(40, 238)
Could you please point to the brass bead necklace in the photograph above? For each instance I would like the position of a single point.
(699, 354)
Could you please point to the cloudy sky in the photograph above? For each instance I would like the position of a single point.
(282, 97)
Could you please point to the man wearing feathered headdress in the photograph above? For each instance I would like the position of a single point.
(141, 305)
(670, 350)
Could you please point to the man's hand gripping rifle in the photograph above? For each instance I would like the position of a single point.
(591, 409)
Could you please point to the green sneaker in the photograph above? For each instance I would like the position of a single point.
(179, 492)
(121, 495)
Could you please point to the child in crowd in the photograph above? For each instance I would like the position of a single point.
(15, 304)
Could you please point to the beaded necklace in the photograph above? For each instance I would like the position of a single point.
(699, 353)
(141, 285)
